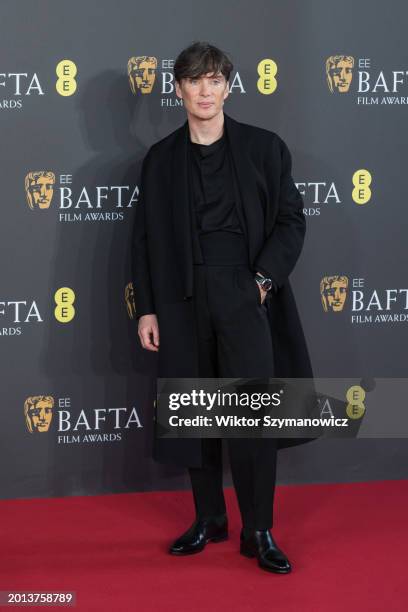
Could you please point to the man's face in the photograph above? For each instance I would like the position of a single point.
(41, 192)
(342, 74)
(41, 415)
(203, 97)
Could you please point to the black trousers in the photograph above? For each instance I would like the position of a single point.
(234, 342)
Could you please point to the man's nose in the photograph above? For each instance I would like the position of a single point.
(204, 88)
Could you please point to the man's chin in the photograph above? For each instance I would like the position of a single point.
(206, 113)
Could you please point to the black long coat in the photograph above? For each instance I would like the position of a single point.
(162, 259)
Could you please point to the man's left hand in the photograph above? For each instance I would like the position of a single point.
(262, 292)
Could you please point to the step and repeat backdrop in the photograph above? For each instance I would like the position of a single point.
(85, 89)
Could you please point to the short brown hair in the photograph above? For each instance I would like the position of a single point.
(198, 59)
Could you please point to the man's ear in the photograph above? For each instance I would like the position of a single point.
(178, 89)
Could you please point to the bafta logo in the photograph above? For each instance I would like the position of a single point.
(129, 299)
(333, 292)
(142, 73)
(339, 72)
(39, 188)
(38, 413)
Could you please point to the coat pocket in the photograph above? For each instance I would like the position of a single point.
(246, 282)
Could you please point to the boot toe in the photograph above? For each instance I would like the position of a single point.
(196, 538)
(179, 548)
(275, 563)
(260, 544)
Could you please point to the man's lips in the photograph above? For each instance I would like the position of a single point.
(205, 104)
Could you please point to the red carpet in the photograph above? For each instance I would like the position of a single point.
(347, 544)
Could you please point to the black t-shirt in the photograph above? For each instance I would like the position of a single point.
(212, 187)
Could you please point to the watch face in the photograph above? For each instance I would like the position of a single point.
(266, 284)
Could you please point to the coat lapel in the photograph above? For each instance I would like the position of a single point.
(246, 186)
(181, 209)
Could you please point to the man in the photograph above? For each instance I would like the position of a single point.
(218, 229)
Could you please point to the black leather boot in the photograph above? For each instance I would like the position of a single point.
(260, 544)
(214, 529)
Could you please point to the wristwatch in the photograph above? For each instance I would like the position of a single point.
(263, 281)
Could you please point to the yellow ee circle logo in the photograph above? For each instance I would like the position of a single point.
(66, 72)
(64, 298)
(355, 396)
(361, 180)
(267, 70)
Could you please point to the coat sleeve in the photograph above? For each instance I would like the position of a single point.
(140, 266)
(282, 247)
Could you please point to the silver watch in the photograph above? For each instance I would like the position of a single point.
(263, 281)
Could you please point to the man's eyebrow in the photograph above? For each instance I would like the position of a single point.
(202, 76)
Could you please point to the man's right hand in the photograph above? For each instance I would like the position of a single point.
(148, 331)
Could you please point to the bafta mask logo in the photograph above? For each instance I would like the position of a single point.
(333, 292)
(142, 73)
(339, 72)
(39, 188)
(129, 299)
(38, 413)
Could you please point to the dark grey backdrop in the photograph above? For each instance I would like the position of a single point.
(99, 135)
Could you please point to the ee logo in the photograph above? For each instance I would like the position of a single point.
(361, 181)
(66, 72)
(355, 408)
(64, 298)
(267, 70)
